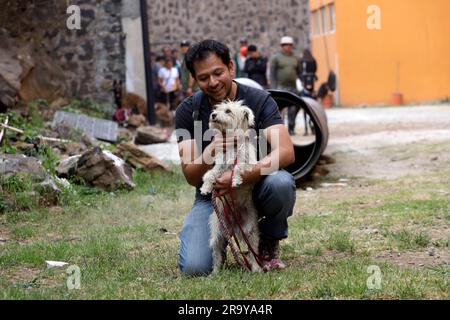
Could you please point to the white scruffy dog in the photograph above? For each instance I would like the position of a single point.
(232, 117)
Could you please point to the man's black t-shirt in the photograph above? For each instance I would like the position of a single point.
(262, 104)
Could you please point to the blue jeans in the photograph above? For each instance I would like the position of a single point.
(274, 198)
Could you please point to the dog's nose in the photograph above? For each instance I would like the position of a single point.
(213, 116)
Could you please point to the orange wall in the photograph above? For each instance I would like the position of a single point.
(411, 51)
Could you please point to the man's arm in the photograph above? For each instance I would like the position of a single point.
(194, 165)
(178, 84)
(161, 84)
(281, 155)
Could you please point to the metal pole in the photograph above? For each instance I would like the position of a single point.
(151, 117)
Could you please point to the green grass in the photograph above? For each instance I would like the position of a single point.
(119, 242)
(89, 108)
(409, 240)
(17, 193)
(341, 241)
(21, 232)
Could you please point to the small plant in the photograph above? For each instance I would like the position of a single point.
(3, 204)
(35, 118)
(88, 108)
(22, 232)
(422, 239)
(315, 252)
(340, 241)
(17, 193)
(6, 148)
(16, 183)
(323, 291)
(409, 240)
(48, 157)
(17, 121)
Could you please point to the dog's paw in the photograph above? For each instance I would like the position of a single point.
(215, 270)
(204, 190)
(256, 268)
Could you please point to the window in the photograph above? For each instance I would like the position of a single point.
(332, 17)
(323, 27)
(315, 21)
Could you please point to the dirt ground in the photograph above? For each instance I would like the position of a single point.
(388, 142)
(389, 145)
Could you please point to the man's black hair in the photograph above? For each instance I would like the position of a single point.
(252, 48)
(203, 50)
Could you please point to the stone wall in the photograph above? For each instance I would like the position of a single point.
(90, 58)
(262, 22)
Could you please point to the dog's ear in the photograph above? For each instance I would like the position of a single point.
(249, 117)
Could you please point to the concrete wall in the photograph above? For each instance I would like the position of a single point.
(134, 51)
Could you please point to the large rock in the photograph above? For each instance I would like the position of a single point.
(138, 158)
(49, 192)
(164, 115)
(136, 120)
(28, 71)
(98, 168)
(12, 164)
(66, 168)
(44, 186)
(42, 77)
(10, 70)
(151, 134)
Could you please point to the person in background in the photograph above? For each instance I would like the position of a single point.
(157, 63)
(256, 66)
(166, 52)
(285, 69)
(176, 59)
(239, 59)
(188, 84)
(308, 69)
(169, 81)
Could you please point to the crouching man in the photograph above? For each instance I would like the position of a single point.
(274, 195)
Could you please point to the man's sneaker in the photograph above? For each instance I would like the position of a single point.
(269, 250)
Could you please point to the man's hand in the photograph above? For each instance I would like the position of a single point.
(223, 183)
(218, 144)
(222, 144)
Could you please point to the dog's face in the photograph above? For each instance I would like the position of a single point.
(231, 115)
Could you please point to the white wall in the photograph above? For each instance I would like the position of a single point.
(134, 51)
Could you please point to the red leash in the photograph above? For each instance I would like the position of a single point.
(233, 219)
(230, 235)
